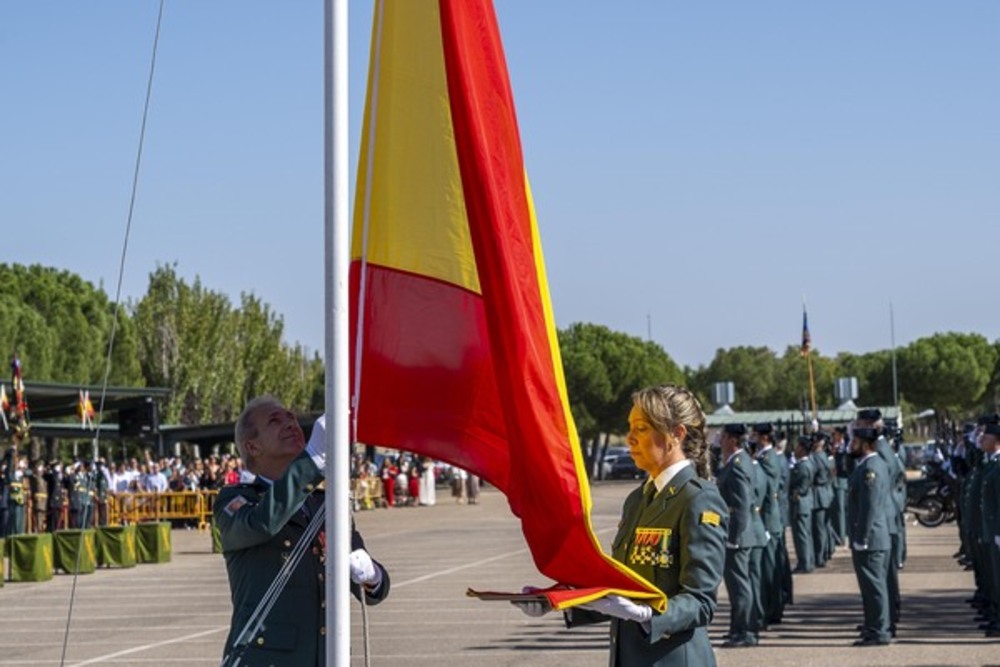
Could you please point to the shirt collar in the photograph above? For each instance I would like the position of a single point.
(668, 473)
(867, 456)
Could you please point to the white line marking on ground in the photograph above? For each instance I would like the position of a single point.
(146, 647)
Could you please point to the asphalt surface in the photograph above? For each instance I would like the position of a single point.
(177, 613)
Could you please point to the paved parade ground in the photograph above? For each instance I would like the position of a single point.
(177, 613)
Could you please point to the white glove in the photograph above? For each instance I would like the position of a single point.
(996, 540)
(533, 608)
(363, 570)
(860, 546)
(767, 535)
(316, 447)
(620, 607)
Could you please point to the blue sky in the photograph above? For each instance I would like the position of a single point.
(697, 167)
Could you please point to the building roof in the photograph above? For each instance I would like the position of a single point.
(792, 417)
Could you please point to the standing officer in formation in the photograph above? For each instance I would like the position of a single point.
(868, 531)
(18, 495)
(838, 510)
(39, 496)
(988, 442)
(261, 523)
(742, 570)
(822, 499)
(872, 418)
(81, 494)
(801, 503)
(55, 487)
(774, 560)
(972, 523)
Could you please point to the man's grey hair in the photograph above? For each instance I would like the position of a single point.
(246, 429)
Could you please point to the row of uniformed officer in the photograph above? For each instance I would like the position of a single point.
(981, 505)
(757, 571)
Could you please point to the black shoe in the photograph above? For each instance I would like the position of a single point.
(859, 627)
(742, 642)
(774, 621)
(993, 632)
(984, 626)
(892, 631)
(871, 641)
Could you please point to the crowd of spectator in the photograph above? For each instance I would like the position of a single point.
(38, 496)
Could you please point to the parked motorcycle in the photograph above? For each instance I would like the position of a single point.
(932, 498)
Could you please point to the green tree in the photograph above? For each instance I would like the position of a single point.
(61, 326)
(873, 371)
(213, 357)
(602, 369)
(947, 371)
(753, 371)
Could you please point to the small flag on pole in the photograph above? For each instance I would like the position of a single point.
(806, 338)
(4, 406)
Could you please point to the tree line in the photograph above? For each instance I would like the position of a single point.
(214, 355)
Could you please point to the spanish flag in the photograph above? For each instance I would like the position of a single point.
(455, 350)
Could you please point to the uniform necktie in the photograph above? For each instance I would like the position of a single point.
(648, 492)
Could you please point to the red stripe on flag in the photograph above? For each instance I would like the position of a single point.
(427, 375)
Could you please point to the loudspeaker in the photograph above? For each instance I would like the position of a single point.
(141, 419)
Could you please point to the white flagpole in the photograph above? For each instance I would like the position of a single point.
(338, 619)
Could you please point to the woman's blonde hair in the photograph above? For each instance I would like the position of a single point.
(668, 406)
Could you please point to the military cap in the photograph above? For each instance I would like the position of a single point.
(821, 435)
(805, 440)
(992, 429)
(989, 419)
(870, 414)
(968, 427)
(764, 428)
(840, 429)
(735, 429)
(868, 434)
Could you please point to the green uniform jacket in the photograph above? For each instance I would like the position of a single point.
(736, 485)
(760, 486)
(686, 565)
(822, 480)
(897, 474)
(259, 525)
(990, 523)
(867, 500)
(770, 463)
(800, 491)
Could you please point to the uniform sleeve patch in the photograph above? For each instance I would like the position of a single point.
(870, 477)
(234, 505)
(710, 518)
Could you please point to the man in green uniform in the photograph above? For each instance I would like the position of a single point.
(989, 443)
(868, 532)
(872, 418)
(822, 499)
(736, 484)
(261, 523)
(775, 556)
(838, 509)
(81, 496)
(801, 505)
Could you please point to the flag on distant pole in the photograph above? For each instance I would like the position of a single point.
(85, 409)
(4, 406)
(21, 416)
(806, 338)
(806, 351)
(456, 355)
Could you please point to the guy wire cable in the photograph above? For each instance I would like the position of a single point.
(118, 305)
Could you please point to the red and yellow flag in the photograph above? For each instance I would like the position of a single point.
(456, 351)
